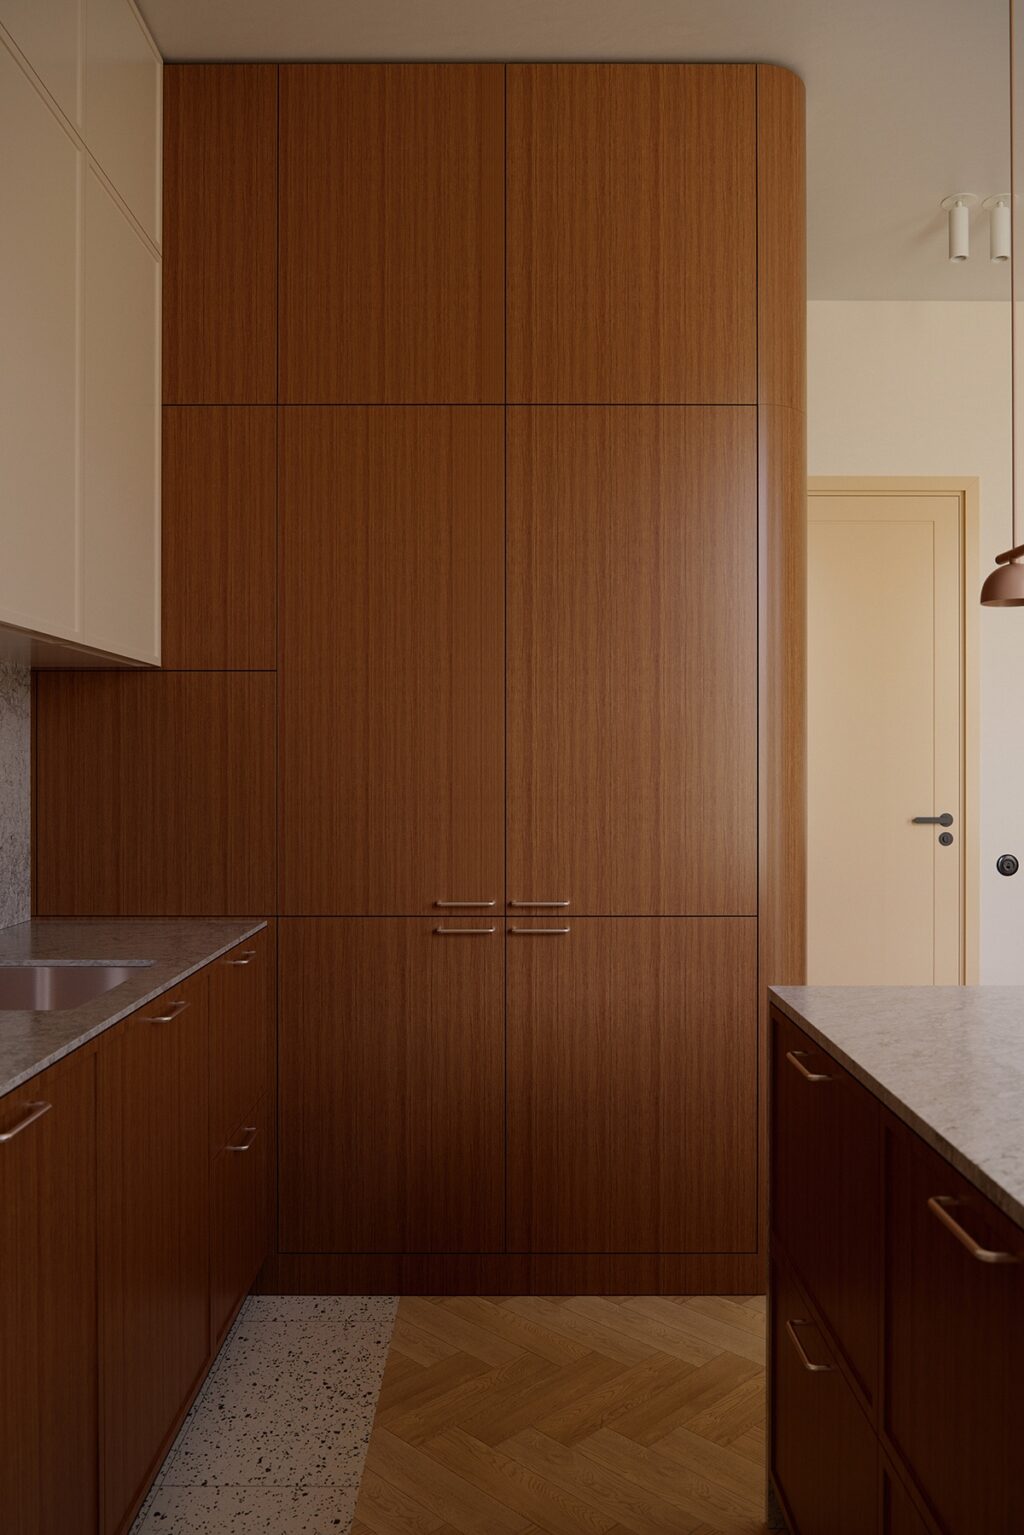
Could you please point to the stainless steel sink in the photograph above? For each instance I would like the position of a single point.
(50, 988)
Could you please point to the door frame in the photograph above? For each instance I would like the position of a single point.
(966, 488)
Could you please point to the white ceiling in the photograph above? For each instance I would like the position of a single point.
(907, 99)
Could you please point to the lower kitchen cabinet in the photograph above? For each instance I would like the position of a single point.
(154, 1240)
(632, 1084)
(954, 1346)
(242, 1045)
(899, 1516)
(392, 1085)
(239, 1216)
(824, 1450)
(48, 1356)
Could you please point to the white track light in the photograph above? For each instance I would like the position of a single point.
(998, 226)
(958, 208)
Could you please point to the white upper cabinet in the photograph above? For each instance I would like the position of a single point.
(47, 33)
(122, 106)
(80, 190)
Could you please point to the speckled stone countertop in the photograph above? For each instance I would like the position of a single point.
(165, 950)
(947, 1060)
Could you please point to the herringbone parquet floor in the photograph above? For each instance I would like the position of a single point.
(569, 1415)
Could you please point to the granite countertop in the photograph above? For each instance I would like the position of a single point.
(165, 950)
(947, 1060)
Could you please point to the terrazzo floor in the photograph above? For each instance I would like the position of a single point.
(275, 1441)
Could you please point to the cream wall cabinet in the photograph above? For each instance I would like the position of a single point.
(80, 113)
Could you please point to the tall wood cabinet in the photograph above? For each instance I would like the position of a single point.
(533, 339)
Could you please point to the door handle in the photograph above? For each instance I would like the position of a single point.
(945, 819)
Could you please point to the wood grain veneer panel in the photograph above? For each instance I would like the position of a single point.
(155, 793)
(392, 659)
(220, 537)
(220, 234)
(632, 1050)
(631, 233)
(632, 684)
(392, 233)
(391, 1048)
(781, 239)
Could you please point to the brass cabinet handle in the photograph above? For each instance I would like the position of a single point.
(246, 958)
(801, 1353)
(465, 903)
(249, 1133)
(940, 1206)
(539, 903)
(795, 1058)
(539, 932)
(463, 932)
(170, 1015)
(32, 1113)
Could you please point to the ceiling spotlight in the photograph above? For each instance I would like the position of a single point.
(998, 226)
(958, 208)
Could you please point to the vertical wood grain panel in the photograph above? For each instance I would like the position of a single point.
(632, 1093)
(392, 659)
(220, 234)
(631, 233)
(155, 793)
(781, 239)
(392, 1086)
(220, 537)
(632, 685)
(392, 233)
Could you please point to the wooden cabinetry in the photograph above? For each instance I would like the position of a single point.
(632, 685)
(220, 234)
(954, 1341)
(824, 1451)
(631, 1045)
(899, 1516)
(391, 1085)
(48, 1356)
(826, 1192)
(406, 163)
(154, 1235)
(240, 1212)
(392, 730)
(623, 285)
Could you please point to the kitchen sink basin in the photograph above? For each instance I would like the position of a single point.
(50, 988)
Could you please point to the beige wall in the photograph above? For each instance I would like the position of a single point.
(923, 389)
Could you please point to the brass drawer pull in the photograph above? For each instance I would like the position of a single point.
(245, 958)
(940, 1206)
(32, 1113)
(170, 1015)
(465, 903)
(539, 903)
(795, 1058)
(249, 1135)
(801, 1353)
(539, 932)
(463, 932)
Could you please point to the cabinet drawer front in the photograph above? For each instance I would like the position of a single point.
(954, 1341)
(826, 1191)
(239, 1211)
(824, 1455)
(241, 1033)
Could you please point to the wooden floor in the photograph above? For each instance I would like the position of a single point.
(553, 1416)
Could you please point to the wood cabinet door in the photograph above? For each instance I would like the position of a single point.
(243, 995)
(899, 1515)
(392, 660)
(219, 520)
(632, 680)
(239, 1226)
(632, 263)
(220, 234)
(632, 1051)
(954, 1342)
(48, 1359)
(824, 1453)
(826, 1205)
(391, 1085)
(392, 234)
(154, 1162)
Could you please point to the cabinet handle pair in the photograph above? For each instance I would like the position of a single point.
(940, 1206)
(33, 1112)
(170, 1015)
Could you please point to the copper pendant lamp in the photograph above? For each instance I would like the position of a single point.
(1005, 586)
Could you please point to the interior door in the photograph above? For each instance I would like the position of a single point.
(885, 683)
